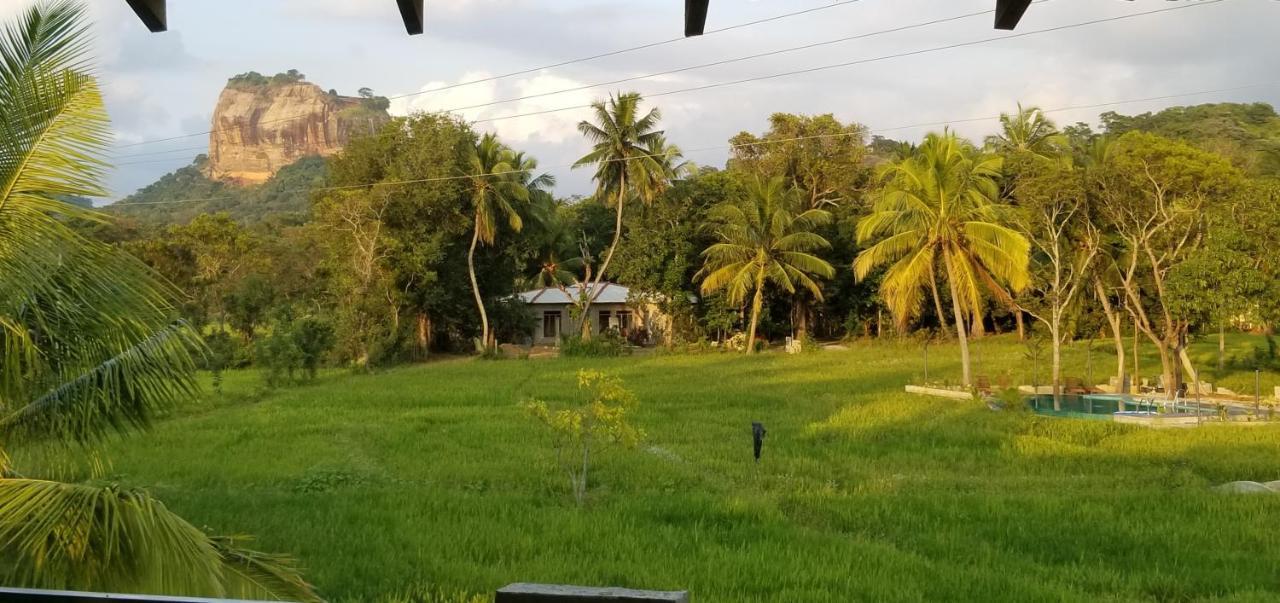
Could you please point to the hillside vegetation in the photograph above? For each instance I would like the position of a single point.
(181, 195)
(1247, 134)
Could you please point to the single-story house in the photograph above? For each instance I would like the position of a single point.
(611, 308)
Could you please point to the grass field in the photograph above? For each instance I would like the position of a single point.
(431, 475)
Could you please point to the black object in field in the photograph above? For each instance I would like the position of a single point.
(757, 438)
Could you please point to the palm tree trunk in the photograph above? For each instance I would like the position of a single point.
(959, 316)
(800, 316)
(1022, 329)
(756, 302)
(608, 257)
(475, 287)
(937, 303)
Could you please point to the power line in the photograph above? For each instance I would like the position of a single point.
(627, 50)
(797, 71)
(866, 61)
(736, 59)
(744, 145)
(550, 66)
(162, 152)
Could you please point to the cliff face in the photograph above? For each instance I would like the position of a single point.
(258, 129)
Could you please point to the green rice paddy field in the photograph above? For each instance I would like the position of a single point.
(431, 475)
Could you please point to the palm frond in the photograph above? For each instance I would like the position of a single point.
(248, 574)
(904, 282)
(77, 537)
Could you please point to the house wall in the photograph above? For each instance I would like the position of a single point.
(566, 326)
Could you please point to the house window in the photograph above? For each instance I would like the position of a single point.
(551, 324)
(624, 321)
(604, 320)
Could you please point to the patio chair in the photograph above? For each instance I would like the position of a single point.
(983, 384)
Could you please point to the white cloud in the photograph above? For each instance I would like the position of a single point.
(550, 127)
(346, 44)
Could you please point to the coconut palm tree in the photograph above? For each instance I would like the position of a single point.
(1027, 135)
(632, 160)
(1029, 131)
(764, 240)
(498, 179)
(90, 346)
(941, 207)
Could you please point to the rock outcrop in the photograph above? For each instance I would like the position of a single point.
(259, 127)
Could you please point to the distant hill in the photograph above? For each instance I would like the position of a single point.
(185, 193)
(1246, 133)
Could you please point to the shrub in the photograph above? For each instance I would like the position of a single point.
(221, 351)
(606, 344)
(1012, 400)
(599, 421)
(278, 356)
(313, 338)
(737, 342)
(293, 346)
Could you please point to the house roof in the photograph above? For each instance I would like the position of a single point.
(610, 293)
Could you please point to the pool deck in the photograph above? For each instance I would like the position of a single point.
(1238, 412)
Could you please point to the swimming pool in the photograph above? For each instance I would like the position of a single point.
(1103, 406)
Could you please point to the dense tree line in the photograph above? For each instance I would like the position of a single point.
(426, 230)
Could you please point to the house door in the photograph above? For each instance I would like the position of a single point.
(604, 321)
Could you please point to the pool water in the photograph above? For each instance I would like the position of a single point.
(1102, 406)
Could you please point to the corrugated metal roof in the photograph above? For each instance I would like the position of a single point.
(610, 293)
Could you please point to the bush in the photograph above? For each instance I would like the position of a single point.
(293, 346)
(222, 348)
(606, 344)
(277, 356)
(313, 338)
(1012, 400)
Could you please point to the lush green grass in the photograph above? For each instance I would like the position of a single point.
(430, 474)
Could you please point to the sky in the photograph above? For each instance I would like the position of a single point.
(161, 86)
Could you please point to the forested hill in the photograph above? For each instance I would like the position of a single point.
(185, 193)
(1246, 133)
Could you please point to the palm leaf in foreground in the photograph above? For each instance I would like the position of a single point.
(67, 536)
(90, 346)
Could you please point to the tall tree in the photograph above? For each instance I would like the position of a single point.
(1227, 277)
(631, 161)
(397, 254)
(90, 346)
(1054, 215)
(661, 250)
(497, 184)
(1031, 138)
(1028, 131)
(1152, 194)
(765, 237)
(1091, 153)
(823, 159)
(941, 207)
